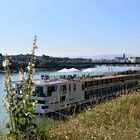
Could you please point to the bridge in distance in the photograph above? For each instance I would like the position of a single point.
(117, 63)
(93, 64)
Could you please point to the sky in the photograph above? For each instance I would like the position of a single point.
(70, 27)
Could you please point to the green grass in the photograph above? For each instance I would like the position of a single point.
(117, 119)
(46, 123)
(1, 135)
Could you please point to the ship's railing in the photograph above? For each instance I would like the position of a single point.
(46, 78)
(76, 77)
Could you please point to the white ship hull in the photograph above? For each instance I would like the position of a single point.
(64, 93)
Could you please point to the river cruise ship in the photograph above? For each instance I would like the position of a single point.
(64, 92)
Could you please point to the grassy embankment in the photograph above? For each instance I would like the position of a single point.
(117, 119)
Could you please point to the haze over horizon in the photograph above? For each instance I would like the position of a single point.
(70, 28)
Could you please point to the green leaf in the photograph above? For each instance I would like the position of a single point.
(8, 125)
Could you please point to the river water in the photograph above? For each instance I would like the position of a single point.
(91, 71)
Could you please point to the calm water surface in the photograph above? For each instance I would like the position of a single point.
(92, 71)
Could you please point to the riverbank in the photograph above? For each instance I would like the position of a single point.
(117, 119)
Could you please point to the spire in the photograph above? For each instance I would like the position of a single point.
(124, 56)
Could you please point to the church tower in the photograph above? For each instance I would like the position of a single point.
(124, 56)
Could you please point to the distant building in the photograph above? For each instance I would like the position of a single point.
(134, 59)
(121, 59)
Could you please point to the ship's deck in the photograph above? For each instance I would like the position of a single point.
(50, 81)
(69, 78)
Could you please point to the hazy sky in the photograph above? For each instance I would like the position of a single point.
(70, 27)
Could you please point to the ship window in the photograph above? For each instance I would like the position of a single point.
(69, 87)
(104, 90)
(118, 79)
(109, 80)
(136, 83)
(127, 78)
(100, 82)
(95, 83)
(85, 84)
(63, 89)
(88, 84)
(98, 92)
(74, 87)
(39, 91)
(104, 81)
(109, 90)
(117, 88)
(41, 102)
(89, 94)
(138, 77)
(44, 107)
(113, 89)
(62, 98)
(83, 87)
(86, 95)
(113, 80)
(51, 89)
(121, 78)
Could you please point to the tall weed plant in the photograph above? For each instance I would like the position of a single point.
(20, 107)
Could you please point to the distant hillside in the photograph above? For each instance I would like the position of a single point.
(118, 119)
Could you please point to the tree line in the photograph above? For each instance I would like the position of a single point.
(46, 62)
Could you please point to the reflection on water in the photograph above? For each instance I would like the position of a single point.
(90, 71)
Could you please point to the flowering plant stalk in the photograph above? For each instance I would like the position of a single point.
(19, 105)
